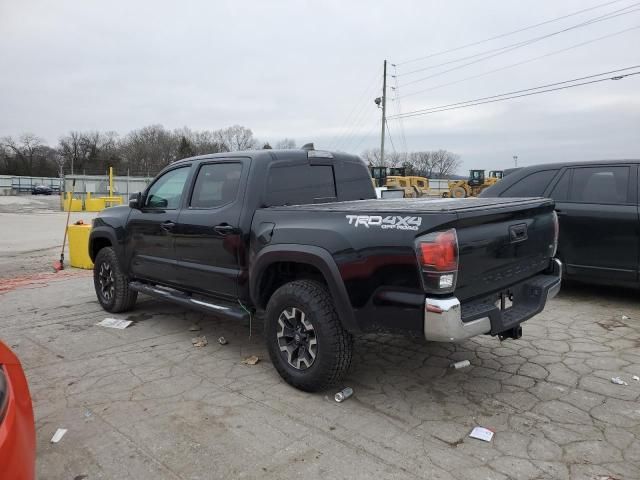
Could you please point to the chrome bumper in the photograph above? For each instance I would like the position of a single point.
(443, 316)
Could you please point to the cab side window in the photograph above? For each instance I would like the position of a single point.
(166, 191)
(561, 189)
(216, 185)
(532, 185)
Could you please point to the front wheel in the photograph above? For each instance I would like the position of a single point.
(111, 284)
(306, 341)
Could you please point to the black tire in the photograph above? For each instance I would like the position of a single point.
(113, 294)
(333, 347)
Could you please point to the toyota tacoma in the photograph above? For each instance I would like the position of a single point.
(299, 237)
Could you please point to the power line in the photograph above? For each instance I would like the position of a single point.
(493, 99)
(529, 89)
(390, 139)
(514, 46)
(511, 48)
(517, 64)
(396, 92)
(357, 145)
(502, 35)
(338, 139)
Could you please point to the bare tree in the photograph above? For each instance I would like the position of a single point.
(372, 157)
(27, 148)
(237, 138)
(149, 149)
(444, 163)
(286, 144)
(70, 148)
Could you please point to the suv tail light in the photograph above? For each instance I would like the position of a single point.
(437, 254)
(556, 234)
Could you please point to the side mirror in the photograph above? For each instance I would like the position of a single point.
(135, 200)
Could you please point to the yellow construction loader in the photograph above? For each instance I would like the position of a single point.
(475, 184)
(414, 187)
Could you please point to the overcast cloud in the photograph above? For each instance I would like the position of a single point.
(301, 69)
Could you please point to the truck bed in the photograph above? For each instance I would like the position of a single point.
(420, 205)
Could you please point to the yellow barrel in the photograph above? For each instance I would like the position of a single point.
(78, 236)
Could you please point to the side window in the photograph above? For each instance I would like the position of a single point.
(353, 181)
(166, 191)
(532, 185)
(600, 185)
(299, 184)
(216, 185)
(561, 190)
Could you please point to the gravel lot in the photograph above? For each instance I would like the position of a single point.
(32, 229)
(144, 403)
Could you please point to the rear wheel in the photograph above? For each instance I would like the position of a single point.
(111, 284)
(306, 342)
(458, 192)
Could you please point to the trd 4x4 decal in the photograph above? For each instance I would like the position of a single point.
(390, 222)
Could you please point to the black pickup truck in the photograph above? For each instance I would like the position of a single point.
(299, 237)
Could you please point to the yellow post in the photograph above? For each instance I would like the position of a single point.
(111, 181)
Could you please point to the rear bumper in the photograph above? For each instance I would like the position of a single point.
(447, 320)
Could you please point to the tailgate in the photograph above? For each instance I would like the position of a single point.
(500, 245)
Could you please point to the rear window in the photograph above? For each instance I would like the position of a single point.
(532, 185)
(608, 185)
(300, 184)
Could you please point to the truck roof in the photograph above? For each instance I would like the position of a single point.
(269, 155)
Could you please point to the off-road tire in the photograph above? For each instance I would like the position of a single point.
(334, 343)
(123, 298)
(458, 192)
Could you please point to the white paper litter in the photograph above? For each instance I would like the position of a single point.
(481, 433)
(636, 378)
(115, 323)
(461, 364)
(618, 381)
(58, 435)
(624, 317)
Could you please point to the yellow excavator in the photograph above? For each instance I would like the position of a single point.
(475, 184)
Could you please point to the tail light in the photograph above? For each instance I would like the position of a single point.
(556, 234)
(437, 254)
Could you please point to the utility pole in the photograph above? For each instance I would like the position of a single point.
(515, 160)
(384, 111)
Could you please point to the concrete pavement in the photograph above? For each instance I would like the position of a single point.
(144, 403)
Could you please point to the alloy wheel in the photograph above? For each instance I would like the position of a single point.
(107, 283)
(297, 338)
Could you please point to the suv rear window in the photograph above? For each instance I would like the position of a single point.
(533, 185)
(300, 184)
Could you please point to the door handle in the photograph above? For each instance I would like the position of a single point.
(167, 226)
(223, 229)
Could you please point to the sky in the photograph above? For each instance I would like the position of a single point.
(311, 71)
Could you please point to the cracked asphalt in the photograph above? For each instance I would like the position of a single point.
(144, 403)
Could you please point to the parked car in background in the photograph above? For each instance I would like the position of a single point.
(597, 206)
(17, 430)
(42, 190)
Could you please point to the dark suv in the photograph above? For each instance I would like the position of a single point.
(597, 206)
